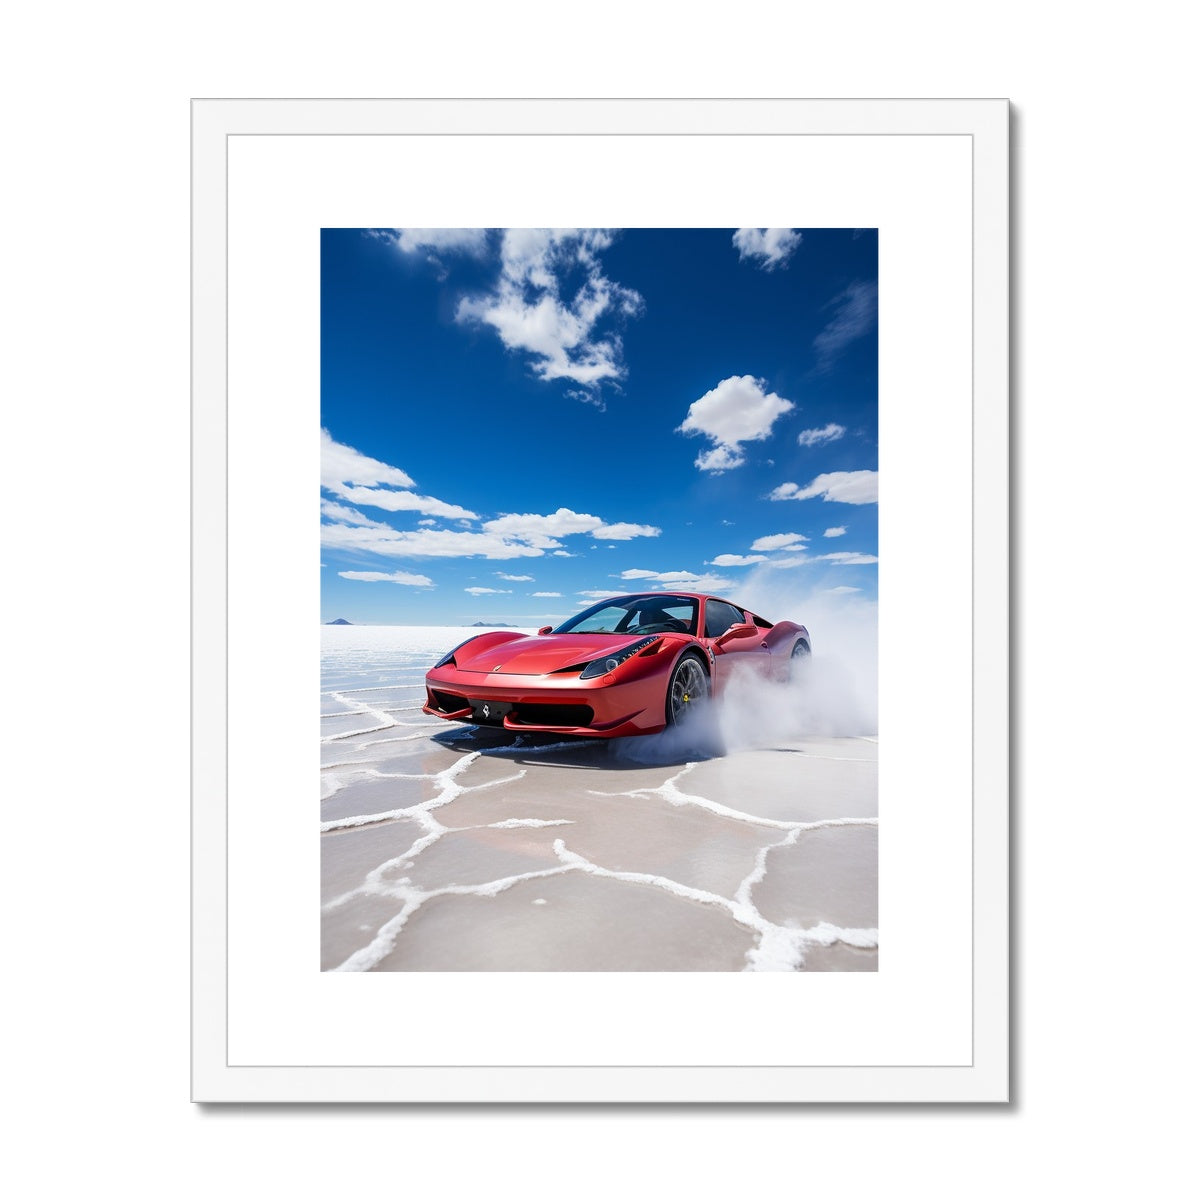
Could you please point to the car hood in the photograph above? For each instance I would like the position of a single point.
(541, 655)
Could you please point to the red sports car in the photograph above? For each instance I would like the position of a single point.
(627, 665)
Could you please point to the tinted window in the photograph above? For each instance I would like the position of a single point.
(658, 613)
(718, 616)
(605, 619)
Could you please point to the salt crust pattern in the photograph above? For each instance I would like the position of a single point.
(424, 823)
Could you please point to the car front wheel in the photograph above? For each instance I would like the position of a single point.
(687, 690)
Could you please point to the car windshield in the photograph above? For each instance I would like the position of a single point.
(655, 613)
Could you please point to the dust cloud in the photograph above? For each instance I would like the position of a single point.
(834, 693)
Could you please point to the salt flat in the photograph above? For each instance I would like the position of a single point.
(451, 848)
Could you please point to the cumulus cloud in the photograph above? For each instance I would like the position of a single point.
(394, 501)
(544, 529)
(854, 315)
(779, 541)
(564, 329)
(425, 543)
(687, 581)
(737, 410)
(348, 516)
(835, 531)
(767, 248)
(623, 531)
(482, 591)
(720, 458)
(737, 560)
(547, 595)
(360, 479)
(815, 437)
(516, 578)
(403, 577)
(441, 241)
(849, 487)
(342, 465)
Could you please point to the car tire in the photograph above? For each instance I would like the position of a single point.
(687, 690)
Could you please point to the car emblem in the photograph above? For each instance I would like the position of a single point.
(497, 667)
(487, 712)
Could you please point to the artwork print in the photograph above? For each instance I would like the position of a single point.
(599, 564)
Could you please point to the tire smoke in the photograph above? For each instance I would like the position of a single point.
(835, 693)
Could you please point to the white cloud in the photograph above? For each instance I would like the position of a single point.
(848, 558)
(564, 554)
(544, 530)
(769, 248)
(348, 516)
(695, 583)
(779, 541)
(849, 487)
(791, 560)
(737, 410)
(529, 313)
(686, 580)
(547, 595)
(835, 531)
(839, 591)
(362, 480)
(442, 241)
(737, 560)
(720, 458)
(593, 595)
(815, 437)
(395, 577)
(623, 531)
(482, 591)
(516, 578)
(392, 501)
(343, 464)
(425, 543)
(854, 316)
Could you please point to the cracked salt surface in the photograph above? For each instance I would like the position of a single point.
(449, 848)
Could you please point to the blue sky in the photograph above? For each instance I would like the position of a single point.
(515, 422)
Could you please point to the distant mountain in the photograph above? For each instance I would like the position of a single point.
(488, 624)
(340, 621)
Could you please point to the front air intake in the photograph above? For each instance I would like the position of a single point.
(562, 715)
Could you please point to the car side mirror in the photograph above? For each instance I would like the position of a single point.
(736, 632)
(545, 629)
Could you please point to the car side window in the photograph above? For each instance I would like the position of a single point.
(718, 617)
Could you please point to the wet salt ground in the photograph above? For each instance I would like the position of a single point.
(447, 848)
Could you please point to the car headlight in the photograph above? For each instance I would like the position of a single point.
(449, 656)
(610, 662)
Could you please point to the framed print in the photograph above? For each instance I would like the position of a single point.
(600, 601)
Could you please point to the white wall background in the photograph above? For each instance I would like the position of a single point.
(96, 894)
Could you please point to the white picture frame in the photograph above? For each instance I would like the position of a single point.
(266, 173)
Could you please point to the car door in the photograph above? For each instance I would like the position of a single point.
(728, 652)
